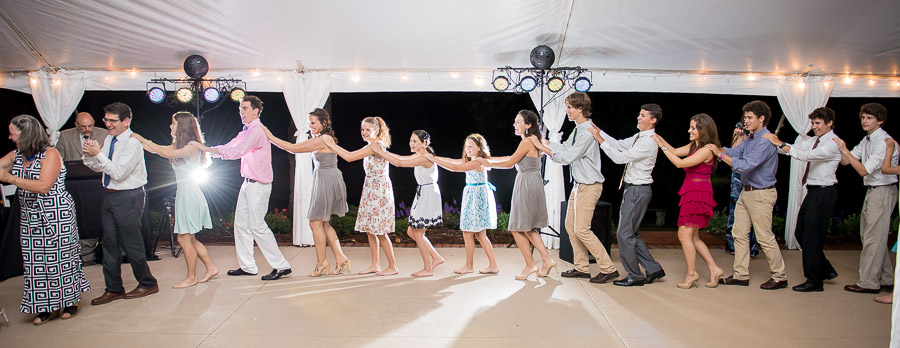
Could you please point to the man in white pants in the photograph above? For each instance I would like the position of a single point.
(255, 152)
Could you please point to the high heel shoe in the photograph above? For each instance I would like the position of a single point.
(340, 267)
(690, 283)
(715, 281)
(320, 270)
(546, 272)
(524, 276)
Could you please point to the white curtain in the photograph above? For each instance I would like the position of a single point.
(303, 93)
(554, 117)
(798, 97)
(56, 97)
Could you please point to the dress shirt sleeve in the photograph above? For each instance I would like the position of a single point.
(643, 148)
(613, 142)
(754, 156)
(567, 154)
(240, 146)
(130, 151)
(857, 151)
(736, 151)
(876, 158)
(826, 151)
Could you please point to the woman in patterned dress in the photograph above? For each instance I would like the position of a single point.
(329, 196)
(529, 209)
(696, 195)
(479, 211)
(191, 209)
(426, 211)
(375, 216)
(48, 232)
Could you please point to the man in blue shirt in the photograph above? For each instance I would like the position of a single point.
(757, 161)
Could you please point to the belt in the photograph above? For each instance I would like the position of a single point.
(751, 188)
(419, 192)
(109, 190)
(250, 180)
(490, 185)
(629, 184)
(816, 187)
(874, 186)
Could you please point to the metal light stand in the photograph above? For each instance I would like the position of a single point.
(167, 225)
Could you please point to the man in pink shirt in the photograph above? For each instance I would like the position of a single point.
(252, 147)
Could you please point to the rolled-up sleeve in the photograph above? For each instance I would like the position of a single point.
(130, 149)
(568, 154)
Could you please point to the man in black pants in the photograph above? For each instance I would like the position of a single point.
(121, 159)
(822, 157)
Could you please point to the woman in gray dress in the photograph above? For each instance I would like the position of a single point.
(329, 194)
(529, 210)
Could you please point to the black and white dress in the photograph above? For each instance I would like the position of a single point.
(49, 239)
(426, 210)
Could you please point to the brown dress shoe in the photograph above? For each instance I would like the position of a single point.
(731, 281)
(107, 297)
(141, 292)
(859, 289)
(773, 284)
(601, 277)
(574, 273)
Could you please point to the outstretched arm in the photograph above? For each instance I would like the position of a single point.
(680, 152)
(347, 155)
(456, 165)
(701, 155)
(401, 161)
(167, 151)
(886, 165)
(510, 161)
(308, 145)
(541, 144)
(847, 157)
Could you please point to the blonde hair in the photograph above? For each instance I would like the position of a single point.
(483, 150)
(383, 133)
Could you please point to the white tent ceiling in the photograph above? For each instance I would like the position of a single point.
(705, 46)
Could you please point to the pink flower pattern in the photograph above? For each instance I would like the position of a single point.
(376, 206)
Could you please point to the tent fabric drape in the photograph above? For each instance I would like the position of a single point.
(56, 96)
(554, 116)
(303, 93)
(798, 97)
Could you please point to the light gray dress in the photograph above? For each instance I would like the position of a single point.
(529, 209)
(329, 194)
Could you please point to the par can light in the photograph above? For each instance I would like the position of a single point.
(211, 95)
(582, 84)
(555, 84)
(184, 95)
(528, 83)
(156, 95)
(501, 83)
(237, 94)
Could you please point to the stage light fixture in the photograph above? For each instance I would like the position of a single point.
(582, 84)
(184, 95)
(528, 83)
(237, 94)
(501, 83)
(211, 94)
(156, 95)
(555, 84)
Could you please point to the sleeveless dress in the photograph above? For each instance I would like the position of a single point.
(376, 205)
(191, 209)
(329, 194)
(696, 196)
(479, 211)
(48, 234)
(529, 209)
(426, 211)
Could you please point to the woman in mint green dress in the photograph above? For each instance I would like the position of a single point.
(191, 210)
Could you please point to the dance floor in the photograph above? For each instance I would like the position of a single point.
(450, 310)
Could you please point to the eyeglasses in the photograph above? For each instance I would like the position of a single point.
(107, 120)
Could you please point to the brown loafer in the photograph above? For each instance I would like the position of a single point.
(141, 292)
(107, 297)
(731, 281)
(859, 289)
(601, 278)
(773, 284)
(574, 273)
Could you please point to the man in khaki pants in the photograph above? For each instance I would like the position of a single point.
(875, 271)
(582, 154)
(756, 159)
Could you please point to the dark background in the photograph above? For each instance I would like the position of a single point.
(449, 117)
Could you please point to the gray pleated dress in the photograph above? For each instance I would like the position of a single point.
(329, 194)
(529, 209)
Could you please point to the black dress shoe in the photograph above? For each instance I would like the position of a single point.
(808, 287)
(831, 275)
(239, 272)
(628, 281)
(731, 281)
(276, 274)
(660, 274)
(601, 278)
(574, 273)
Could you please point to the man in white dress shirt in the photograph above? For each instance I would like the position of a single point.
(822, 156)
(638, 153)
(875, 272)
(121, 160)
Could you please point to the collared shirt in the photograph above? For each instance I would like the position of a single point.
(638, 153)
(126, 169)
(755, 159)
(823, 160)
(254, 150)
(870, 152)
(582, 155)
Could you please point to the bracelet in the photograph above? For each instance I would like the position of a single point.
(721, 154)
(664, 148)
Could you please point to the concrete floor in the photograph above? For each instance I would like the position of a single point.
(451, 310)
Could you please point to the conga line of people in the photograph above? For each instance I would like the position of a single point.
(36, 169)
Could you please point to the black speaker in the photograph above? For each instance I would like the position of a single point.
(601, 225)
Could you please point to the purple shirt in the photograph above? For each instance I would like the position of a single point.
(756, 160)
(252, 147)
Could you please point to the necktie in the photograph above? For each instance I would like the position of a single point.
(806, 173)
(571, 171)
(751, 136)
(622, 181)
(84, 137)
(112, 146)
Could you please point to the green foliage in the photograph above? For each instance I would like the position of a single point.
(279, 222)
(846, 227)
(778, 225)
(718, 224)
(502, 221)
(400, 227)
(451, 221)
(343, 225)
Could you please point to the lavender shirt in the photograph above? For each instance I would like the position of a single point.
(756, 160)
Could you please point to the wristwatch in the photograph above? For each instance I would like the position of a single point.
(664, 148)
(783, 144)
